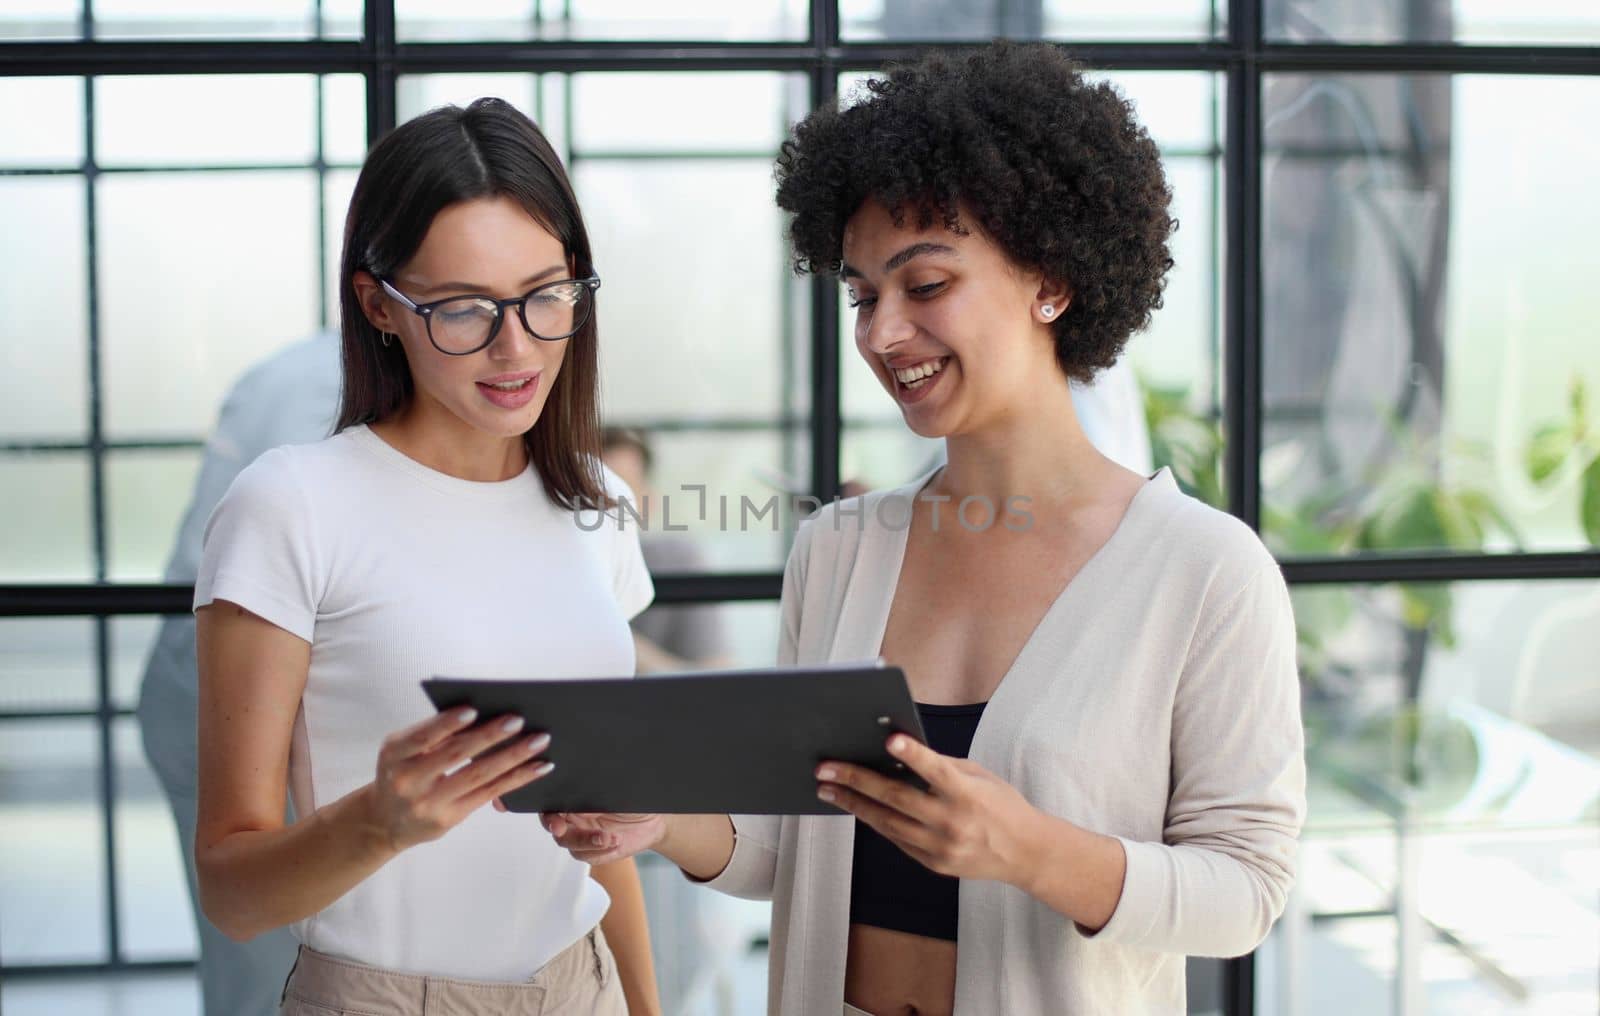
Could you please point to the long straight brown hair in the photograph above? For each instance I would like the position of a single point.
(442, 157)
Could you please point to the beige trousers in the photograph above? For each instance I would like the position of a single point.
(582, 981)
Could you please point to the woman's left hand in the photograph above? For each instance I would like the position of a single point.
(969, 823)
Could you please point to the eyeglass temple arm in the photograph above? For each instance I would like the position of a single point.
(396, 293)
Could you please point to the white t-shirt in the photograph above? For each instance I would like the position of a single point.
(394, 573)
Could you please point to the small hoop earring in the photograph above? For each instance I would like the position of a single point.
(387, 338)
(1048, 310)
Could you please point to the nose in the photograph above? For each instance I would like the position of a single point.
(886, 327)
(512, 341)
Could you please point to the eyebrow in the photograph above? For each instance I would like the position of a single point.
(916, 250)
(476, 287)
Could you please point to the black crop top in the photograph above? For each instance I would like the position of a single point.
(887, 888)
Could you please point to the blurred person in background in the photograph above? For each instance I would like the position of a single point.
(291, 397)
(665, 637)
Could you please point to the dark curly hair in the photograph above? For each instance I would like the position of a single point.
(1053, 168)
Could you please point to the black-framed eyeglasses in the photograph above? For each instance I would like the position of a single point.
(460, 325)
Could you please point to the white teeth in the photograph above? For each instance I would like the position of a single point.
(510, 386)
(921, 370)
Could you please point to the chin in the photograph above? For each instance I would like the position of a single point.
(926, 425)
(500, 425)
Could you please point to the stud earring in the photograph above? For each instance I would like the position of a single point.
(1048, 310)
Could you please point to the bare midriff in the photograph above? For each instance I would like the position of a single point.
(895, 973)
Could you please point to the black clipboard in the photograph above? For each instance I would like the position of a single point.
(740, 742)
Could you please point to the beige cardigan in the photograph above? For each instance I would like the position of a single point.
(1157, 701)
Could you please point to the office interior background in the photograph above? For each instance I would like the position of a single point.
(1379, 347)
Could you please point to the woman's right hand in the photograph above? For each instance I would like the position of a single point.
(600, 838)
(430, 777)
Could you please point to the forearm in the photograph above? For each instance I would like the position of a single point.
(1075, 872)
(629, 935)
(256, 880)
(701, 845)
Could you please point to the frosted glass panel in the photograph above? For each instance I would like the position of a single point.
(696, 330)
(344, 118)
(205, 19)
(48, 663)
(43, 272)
(208, 119)
(201, 275)
(39, 20)
(52, 849)
(740, 112)
(147, 492)
(48, 519)
(41, 121)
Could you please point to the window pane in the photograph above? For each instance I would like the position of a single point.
(131, 640)
(43, 271)
(52, 845)
(39, 20)
(1453, 739)
(666, 112)
(342, 19)
(48, 663)
(47, 494)
(1429, 335)
(981, 20)
(134, 125)
(344, 118)
(41, 122)
(704, 20)
(152, 888)
(693, 310)
(1493, 22)
(205, 19)
(147, 492)
(235, 276)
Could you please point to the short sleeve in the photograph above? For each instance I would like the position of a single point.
(259, 549)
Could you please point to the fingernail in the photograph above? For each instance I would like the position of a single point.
(544, 770)
(466, 716)
(511, 724)
(897, 744)
(538, 743)
(827, 773)
(827, 794)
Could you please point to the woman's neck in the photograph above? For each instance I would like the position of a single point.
(1037, 451)
(452, 447)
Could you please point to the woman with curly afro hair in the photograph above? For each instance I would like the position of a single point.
(1105, 667)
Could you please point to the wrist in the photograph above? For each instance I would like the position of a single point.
(372, 835)
(666, 841)
(1039, 844)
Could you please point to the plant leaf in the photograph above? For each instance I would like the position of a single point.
(1549, 448)
(1589, 507)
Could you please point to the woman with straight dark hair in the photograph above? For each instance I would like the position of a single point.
(434, 533)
